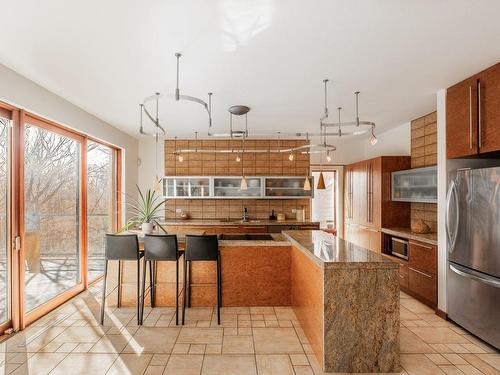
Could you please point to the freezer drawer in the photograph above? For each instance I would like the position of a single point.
(474, 302)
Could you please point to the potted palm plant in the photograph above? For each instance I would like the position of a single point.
(146, 211)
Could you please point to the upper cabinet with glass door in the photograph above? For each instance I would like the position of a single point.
(186, 187)
(415, 185)
(287, 187)
(229, 187)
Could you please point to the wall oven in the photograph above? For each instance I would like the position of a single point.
(399, 247)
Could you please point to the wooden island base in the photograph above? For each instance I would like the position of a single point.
(345, 297)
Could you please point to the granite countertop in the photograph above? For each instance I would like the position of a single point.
(278, 240)
(217, 222)
(330, 251)
(430, 238)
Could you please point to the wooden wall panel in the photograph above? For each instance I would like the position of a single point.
(254, 164)
(424, 154)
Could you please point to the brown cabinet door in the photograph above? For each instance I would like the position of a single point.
(374, 192)
(359, 194)
(403, 275)
(254, 229)
(488, 91)
(423, 257)
(423, 284)
(461, 119)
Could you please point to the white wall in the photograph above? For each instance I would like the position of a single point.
(23, 93)
(147, 161)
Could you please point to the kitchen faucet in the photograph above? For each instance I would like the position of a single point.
(245, 214)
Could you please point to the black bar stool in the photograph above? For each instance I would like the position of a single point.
(202, 248)
(160, 248)
(121, 247)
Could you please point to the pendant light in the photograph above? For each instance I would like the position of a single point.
(156, 185)
(307, 183)
(243, 183)
(321, 179)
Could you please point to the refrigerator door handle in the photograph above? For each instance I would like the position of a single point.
(449, 237)
(474, 276)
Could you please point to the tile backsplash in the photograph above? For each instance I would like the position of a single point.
(217, 164)
(424, 154)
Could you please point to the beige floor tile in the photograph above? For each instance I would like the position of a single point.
(451, 370)
(473, 348)
(181, 349)
(213, 349)
(200, 336)
(411, 343)
(235, 310)
(110, 344)
(406, 314)
(458, 348)
(272, 324)
(492, 359)
(199, 313)
(438, 359)
(478, 363)
(274, 364)
(184, 364)
(438, 335)
(261, 310)
(152, 340)
(80, 334)
(159, 360)
(154, 370)
(455, 359)
(67, 347)
(419, 364)
(285, 313)
(244, 331)
(303, 370)
(237, 345)
(299, 360)
(469, 370)
(285, 323)
(230, 331)
(229, 365)
(84, 363)
(130, 364)
(197, 349)
(256, 317)
(40, 363)
(415, 306)
(276, 340)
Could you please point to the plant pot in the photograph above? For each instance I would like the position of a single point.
(147, 228)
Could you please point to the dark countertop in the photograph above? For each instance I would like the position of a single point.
(330, 251)
(216, 222)
(430, 238)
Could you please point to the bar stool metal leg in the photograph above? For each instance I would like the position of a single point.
(104, 291)
(184, 292)
(143, 294)
(218, 290)
(151, 283)
(177, 292)
(138, 291)
(119, 302)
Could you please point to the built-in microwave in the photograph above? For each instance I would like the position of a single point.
(399, 247)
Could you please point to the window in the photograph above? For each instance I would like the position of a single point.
(323, 203)
(4, 248)
(101, 203)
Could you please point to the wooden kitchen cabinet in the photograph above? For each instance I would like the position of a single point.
(368, 204)
(473, 115)
(422, 271)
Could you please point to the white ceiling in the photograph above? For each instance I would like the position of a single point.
(106, 56)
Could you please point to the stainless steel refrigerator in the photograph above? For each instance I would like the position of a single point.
(473, 241)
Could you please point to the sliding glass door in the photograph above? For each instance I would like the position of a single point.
(101, 204)
(52, 204)
(5, 269)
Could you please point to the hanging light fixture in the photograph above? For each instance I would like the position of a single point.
(328, 157)
(321, 179)
(373, 139)
(243, 182)
(290, 157)
(156, 184)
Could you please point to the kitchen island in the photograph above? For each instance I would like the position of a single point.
(346, 298)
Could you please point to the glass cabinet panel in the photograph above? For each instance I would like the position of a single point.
(229, 187)
(199, 187)
(415, 185)
(182, 187)
(287, 187)
(169, 187)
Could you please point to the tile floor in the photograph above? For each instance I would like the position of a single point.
(255, 340)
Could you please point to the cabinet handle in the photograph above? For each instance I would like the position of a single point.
(421, 245)
(420, 272)
(470, 117)
(479, 110)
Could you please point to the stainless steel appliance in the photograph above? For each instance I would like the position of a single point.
(398, 247)
(473, 242)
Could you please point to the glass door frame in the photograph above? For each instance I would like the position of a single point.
(18, 318)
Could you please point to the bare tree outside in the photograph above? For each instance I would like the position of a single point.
(52, 208)
(4, 124)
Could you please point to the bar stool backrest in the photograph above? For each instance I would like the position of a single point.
(204, 247)
(122, 247)
(161, 247)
